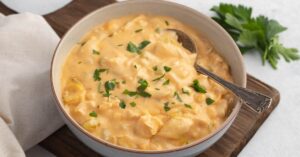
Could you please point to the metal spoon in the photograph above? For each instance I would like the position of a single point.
(255, 100)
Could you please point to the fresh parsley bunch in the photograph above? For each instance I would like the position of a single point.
(254, 33)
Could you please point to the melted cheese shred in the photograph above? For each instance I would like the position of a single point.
(150, 124)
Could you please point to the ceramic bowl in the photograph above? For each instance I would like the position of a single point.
(219, 38)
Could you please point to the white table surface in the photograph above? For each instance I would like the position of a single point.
(279, 136)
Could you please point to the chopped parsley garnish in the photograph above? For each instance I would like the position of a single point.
(209, 101)
(167, 22)
(144, 94)
(177, 96)
(93, 114)
(188, 106)
(166, 82)
(95, 52)
(157, 89)
(122, 104)
(197, 87)
(133, 104)
(109, 86)
(185, 91)
(138, 30)
(143, 44)
(166, 107)
(142, 87)
(155, 68)
(141, 90)
(158, 78)
(124, 82)
(97, 73)
(167, 69)
(131, 47)
(129, 93)
(120, 45)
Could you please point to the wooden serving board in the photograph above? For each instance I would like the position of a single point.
(64, 143)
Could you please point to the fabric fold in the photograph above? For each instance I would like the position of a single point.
(27, 108)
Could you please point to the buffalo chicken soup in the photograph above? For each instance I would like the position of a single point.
(131, 83)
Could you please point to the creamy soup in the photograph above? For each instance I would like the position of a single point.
(131, 83)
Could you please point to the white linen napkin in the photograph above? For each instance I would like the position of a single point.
(27, 110)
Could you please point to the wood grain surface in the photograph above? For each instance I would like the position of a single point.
(64, 143)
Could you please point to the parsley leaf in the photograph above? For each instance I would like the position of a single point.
(188, 106)
(209, 101)
(197, 87)
(95, 52)
(167, 69)
(144, 94)
(158, 78)
(142, 87)
(177, 96)
(254, 33)
(109, 86)
(275, 49)
(131, 47)
(122, 104)
(132, 104)
(166, 82)
(129, 93)
(140, 90)
(97, 74)
(143, 44)
(93, 114)
(166, 107)
(155, 68)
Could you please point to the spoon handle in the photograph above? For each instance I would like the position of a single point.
(256, 101)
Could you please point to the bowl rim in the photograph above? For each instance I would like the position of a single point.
(230, 118)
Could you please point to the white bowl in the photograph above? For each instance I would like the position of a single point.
(219, 38)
